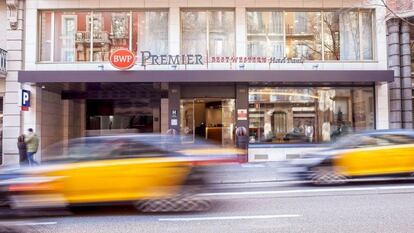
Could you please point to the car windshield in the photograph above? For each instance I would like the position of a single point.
(79, 149)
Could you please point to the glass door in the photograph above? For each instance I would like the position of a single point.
(187, 120)
(228, 121)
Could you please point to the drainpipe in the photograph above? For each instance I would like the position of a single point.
(393, 26)
(406, 81)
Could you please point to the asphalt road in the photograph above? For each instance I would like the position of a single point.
(378, 207)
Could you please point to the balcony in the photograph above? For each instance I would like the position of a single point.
(3, 63)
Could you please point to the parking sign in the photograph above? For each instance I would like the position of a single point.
(25, 100)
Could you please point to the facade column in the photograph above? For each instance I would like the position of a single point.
(242, 102)
(393, 26)
(174, 96)
(406, 81)
(11, 112)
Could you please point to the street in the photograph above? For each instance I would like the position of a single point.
(361, 207)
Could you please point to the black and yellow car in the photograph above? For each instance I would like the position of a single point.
(154, 172)
(367, 154)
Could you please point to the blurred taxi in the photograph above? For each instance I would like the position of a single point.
(376, 153)
(150, 171)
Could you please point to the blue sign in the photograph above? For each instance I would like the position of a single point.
(25, 98)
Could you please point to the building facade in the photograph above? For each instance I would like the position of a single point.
(288, 72)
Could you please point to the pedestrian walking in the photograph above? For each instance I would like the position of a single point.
(32, 142)
(22, 146)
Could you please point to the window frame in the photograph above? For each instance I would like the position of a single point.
(207, 10)
(322, 11)
(91, 15)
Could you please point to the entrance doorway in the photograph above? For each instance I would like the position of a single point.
(209, 118)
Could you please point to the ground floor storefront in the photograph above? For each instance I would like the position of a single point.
(265, 108)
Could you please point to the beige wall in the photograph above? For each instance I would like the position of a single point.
(51, 118)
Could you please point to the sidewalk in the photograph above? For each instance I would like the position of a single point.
(250, 173)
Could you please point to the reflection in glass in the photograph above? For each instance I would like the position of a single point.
(150, 32)
(303, 35)
(46, 36)
(72, 37)
(298, 115)
(265, 34)
(215, 26)
(331, 35)
(349, 26)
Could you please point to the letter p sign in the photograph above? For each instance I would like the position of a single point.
(25, 100)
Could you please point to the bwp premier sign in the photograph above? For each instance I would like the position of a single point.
(124, 59)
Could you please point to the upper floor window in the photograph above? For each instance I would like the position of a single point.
(311, 35)
(208, 32)
(77, 36)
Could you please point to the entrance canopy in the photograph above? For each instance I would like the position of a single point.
(305, 76)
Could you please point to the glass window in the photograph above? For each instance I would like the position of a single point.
(215, 26)
(71, 36)
(331, 35)
(70, 40)
(349, 27)
(150, 31)
(366, 31)
(265, 34)
(317, 114)
(303, 35)
(46, 36)
(110, 33)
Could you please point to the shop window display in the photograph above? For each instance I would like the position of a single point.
(308, 115)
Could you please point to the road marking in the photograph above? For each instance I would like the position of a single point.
(320, 190)
(229, 218)
(38, 223)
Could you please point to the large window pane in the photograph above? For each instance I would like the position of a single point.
(150, 32)
(110, 32)
(221, 33)
(45, 36)
(317, 114)
(265, 34)
(303, 35)
(331, 35)
(349, 26)
(194, 32)
(72, 36)
(209, 32)
(366, 33)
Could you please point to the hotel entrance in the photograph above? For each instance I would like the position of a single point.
(209, 118)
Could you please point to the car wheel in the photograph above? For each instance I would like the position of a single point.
(325, 175)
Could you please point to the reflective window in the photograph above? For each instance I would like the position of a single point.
(46, 36)
(71, 36)
(311, 35)
(70, 40)
(265, 34)
(320, 114)
(303, 35)
(208, 31)
(331, 35)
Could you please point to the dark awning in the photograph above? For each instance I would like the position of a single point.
(207, 76)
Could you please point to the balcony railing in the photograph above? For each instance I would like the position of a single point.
(3, 61)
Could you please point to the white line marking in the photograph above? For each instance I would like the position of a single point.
(327, 190)
(229, 218)
(27, 223)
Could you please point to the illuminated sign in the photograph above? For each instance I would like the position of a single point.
(122, 59)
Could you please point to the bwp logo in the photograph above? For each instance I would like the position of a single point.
(122, 59)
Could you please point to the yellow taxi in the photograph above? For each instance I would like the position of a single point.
(150, 171)
(368, 154)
